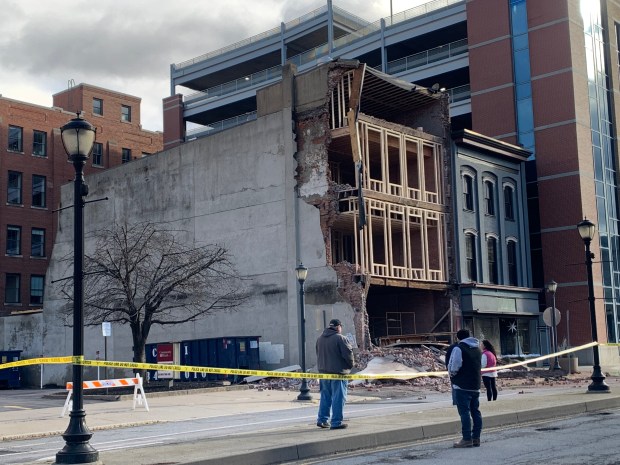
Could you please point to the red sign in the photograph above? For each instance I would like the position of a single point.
(165, 353)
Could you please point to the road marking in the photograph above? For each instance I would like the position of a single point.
(18, 407)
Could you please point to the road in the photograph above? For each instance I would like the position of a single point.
(24, 399)
(182, 430)
(586, 439)
(44, 449)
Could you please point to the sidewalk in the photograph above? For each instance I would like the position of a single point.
(301, 441)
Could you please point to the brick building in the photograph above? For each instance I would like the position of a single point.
(33, 166)
(540, 74)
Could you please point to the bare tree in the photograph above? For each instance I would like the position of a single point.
(142, 275)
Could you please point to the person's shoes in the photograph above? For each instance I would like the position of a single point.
(463, 443)
(340, 426)
(476, 442)
(323, 424)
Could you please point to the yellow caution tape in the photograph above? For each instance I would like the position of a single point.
(79, 360)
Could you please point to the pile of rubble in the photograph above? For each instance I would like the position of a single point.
(419, 359)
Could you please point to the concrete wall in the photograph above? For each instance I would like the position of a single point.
(235, 188)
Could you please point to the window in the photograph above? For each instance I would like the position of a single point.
(14, 188)
(509, 203)
(36, 289)
(125, 113)
(39, 143)
(470, 257)
(492, 259)
(12, 289)
(98, 154)
(97, 106)
(511, 249)
(489, 198)
(126, 155)
(13, 240)
(38, 191)
(16, 139)
(37, 242)
(468, 192)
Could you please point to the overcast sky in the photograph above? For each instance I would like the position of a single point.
(128, 45)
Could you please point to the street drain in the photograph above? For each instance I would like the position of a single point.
(604, 413)
(551, 428)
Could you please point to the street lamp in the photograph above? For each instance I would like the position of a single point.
(552, 287)
(586, 231)
(302, 274)
(78, 137)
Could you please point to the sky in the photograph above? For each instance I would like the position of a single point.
(129, 45)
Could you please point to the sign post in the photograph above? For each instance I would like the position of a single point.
(106, 330)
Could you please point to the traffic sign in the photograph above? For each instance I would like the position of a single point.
(548, 316)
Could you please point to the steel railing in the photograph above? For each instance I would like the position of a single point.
(218, 126)
(426, 57)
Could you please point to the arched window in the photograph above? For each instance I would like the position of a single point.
(468, 191)
(470, 257)
(511, 258)
(509, 202)
(492, 259)
(489, 197)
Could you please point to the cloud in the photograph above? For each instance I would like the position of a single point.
(128, 46)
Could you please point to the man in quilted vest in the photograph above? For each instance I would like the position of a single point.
(464, 368)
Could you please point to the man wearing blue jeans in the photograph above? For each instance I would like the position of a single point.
(334, 356)
(464, 368)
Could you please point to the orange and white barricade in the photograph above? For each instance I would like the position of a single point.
(139, 397)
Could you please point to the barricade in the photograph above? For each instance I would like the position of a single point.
(139, 397)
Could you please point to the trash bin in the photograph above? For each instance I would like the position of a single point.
(10, 377)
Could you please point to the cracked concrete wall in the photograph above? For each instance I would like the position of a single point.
(317, 189)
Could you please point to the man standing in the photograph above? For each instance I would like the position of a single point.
(464, 369)
(334, 356)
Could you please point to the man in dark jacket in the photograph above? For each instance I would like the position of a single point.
(334, 356)
(464, 368)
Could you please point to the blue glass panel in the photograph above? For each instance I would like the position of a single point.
(527, 140)
(525, 115)
(524, 90)
(600, 209)
(522, 66)
(520, 42)
(518, 18)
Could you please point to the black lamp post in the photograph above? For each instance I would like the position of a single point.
(302, 274)
(552, 287)
(78, 137)
(586, 231)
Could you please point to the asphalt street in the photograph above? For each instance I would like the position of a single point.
(584, 439)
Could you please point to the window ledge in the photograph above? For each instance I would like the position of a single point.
(17, 152)
(19, 205)
(37, 257)
(39, 156)
(14, 255)
(36, 207)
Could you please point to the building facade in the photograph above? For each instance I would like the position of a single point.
(33, 166)
(494, 276)
(542, 75)
(344, 169)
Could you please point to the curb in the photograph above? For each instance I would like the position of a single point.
(344, 443)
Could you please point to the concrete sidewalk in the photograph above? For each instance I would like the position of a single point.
(300, 441)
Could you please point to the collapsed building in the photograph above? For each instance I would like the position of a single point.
(345, 169)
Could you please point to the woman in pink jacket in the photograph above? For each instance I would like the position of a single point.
(489, 359)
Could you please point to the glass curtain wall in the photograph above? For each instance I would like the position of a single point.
(604, 162)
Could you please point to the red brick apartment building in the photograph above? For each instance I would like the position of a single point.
(33, 166)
